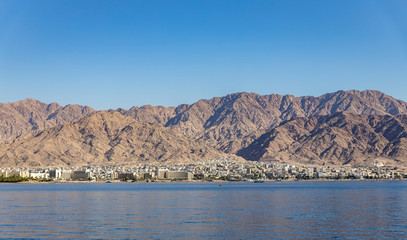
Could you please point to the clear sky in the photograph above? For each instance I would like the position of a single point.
(110, 54)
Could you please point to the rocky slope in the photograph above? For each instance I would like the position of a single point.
(340, 138)
(254, 126)
(103, 138)
(232, 122)
(28, 115)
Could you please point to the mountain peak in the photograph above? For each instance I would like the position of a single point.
(29, 101)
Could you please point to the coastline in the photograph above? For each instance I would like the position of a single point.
(213, 181)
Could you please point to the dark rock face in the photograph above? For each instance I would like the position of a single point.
(340, 138)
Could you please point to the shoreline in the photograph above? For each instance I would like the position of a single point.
(213, 181)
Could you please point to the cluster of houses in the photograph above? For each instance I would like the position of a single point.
(224, 169)
(96, 173)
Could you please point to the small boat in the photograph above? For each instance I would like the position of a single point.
(108, 181)
(259, 181)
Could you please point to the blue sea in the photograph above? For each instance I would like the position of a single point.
(270, 210)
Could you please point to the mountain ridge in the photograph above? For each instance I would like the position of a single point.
(235, 123)
(340, 138)
(29, 114)
(103, 138)
(225, 121)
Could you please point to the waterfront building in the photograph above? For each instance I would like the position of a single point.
(80, 175)
(126, 176)
(174, 175)
(180, 175)
(162, 173)
(55, 173)
(25, 174)
(39, 175)
(66, 174)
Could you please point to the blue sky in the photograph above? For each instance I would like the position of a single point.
(110, 54)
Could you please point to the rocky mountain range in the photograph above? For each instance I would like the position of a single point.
(340, 138)
(104, 138)
(29, 115)
(232, 122)
(344, 127)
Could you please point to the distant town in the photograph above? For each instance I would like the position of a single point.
(224, 169)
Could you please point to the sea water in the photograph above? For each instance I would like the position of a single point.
(270, 210)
